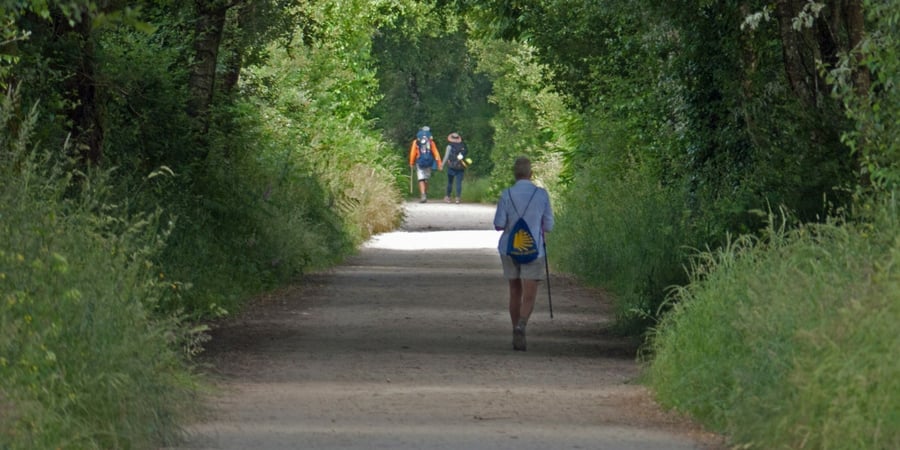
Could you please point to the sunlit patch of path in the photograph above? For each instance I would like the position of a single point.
(434, 240)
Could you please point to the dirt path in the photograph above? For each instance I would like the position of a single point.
(408, 346)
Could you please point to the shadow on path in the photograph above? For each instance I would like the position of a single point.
(407, 345)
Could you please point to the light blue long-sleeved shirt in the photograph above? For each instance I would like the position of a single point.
(538, 215)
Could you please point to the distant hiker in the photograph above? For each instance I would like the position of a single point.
(517, 244)
(423, 154)
(455, 162)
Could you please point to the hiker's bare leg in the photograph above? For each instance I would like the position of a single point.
(423, 186)
(515, 300)
(529, 294)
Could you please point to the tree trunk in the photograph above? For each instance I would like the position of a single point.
(234, 62)
(412, 85)
(840, 29)
(750, 65)
(86, 117)
(233, 66)
(855, 22)
(853, 16)
(207, 39)
(792, 51)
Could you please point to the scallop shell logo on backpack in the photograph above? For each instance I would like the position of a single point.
(523, 241)
(521, 246)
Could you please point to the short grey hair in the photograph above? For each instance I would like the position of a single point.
(522, 168)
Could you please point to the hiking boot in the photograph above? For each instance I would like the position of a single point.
(519, 339)
(423, 199)
(457, 200)
(447, 199)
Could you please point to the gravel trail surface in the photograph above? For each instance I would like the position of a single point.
(408, 345)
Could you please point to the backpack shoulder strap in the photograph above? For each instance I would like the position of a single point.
(509, 194)
(530, 199)
(511, 202)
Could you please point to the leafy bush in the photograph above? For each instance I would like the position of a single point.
(876, 136)
(85, 362)
(531, 118)
(784, 342)
(248, 220)
(289, 178)
(623, 233)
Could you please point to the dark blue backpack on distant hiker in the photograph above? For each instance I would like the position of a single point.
(521, 245)
(454, 160)
(423, 143)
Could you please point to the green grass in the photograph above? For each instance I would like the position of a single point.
(84, 360)
(475, 189)
(625, 234)
(788, 342)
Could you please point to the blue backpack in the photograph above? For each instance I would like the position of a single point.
(425, 158)
(521, 245)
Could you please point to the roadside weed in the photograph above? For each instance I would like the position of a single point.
(84, 360)
(786, 342)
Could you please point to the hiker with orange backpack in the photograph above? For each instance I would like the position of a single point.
(424, 155)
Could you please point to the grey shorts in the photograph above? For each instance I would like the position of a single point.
(512, 270)
(423, 173)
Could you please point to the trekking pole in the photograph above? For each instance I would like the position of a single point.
(410, 180)
(547, 266)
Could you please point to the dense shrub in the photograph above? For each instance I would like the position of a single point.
(784, 342)
(626, 234)
(84, 360)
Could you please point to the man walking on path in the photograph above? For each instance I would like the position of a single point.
(532, 204)
(423, 154)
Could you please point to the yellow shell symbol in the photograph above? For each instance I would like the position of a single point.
(523, 242)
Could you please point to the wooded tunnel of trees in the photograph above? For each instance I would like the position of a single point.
(163, 162)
